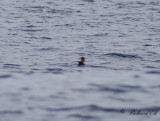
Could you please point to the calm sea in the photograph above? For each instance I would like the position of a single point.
(41, 42)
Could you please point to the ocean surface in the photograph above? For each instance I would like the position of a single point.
(42, 40)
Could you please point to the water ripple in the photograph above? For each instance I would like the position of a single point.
(85, 107)
(108, 89)
(5, 76)
(16, 66)
(48, 49)
(123, 55)
(54, 70)
(19, 112)
(153, 72)
(95, 108)
(84, 116)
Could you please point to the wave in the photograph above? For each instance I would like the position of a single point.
(83, 116)
(15, 66)
(11, 112)
(54, 70)
(106, 88)
(85, 107)
(5, 76)
(123, 55)
(47, 49)
(153, 72)
(89, 0)
(94, 108)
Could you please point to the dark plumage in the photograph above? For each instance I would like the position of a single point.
(80, 63)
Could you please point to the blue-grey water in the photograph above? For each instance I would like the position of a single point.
(42, 40)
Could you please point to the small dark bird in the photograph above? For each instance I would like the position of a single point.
(80, 63)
